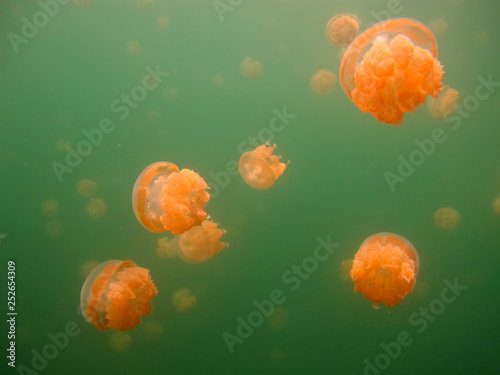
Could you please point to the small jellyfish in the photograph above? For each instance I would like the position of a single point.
(82, 3)
(438, 27)
(342, 29)
(184, 300)
(120, 341)
(153, 329)
(133, 48)
(86, 187)
(166, 248)
(390, 68)
(63, 146)
(54, 229)
(443, 103)
(495, 205)
(163, 22)
(251, 68)
(166, 199)
(199, 243)
(260, 168)
(87, 267)
(170, 93)
(323, 82)
(385, 268)
(278, 320)
(154, 115)
(50, 208)
(218, 80)
(116, 295)
(278, 355)
(96, 208)
(446, 218)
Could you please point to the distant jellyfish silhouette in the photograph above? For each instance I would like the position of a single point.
(495, 205)
(447, 218)
(251, 68)
(184, 300)
(323, 82)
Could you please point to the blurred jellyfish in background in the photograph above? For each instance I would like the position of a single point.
(278, 355)
(152, 329)
(166, 199)
(86, 187)
(342, 29)
(50, 208)
(278, 320)
(438, 26)
(218, 80)
(447, 218)
(251, 68)
(184, 300)
(116, 295)
(166, 248)
(82, 3)
(323, 82)
(170, 93)
(163, 22)
(54, 229)
(390, 68)
(96, 208)
(120, 341)
(87, 267)
(385, 269)
(495, 205)
(260, 168)
(443, 103)
(134, 48)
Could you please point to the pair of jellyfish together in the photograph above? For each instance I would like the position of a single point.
(390, 68)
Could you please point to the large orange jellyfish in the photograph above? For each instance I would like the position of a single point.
(165, 198)
(260, 168)
(116, 295)
(199, 243)
(390, 69)
(385, 268)
(342, 29)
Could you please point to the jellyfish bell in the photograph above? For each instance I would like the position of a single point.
(184, 300)
(323, 82)
(260, 168)
(447, 218)
(166, 199)
(251, 68)
(199, 243)
(116, 294)
(342, 29)
(385, 268)
(390, 68)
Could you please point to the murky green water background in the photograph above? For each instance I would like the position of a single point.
(64, 80)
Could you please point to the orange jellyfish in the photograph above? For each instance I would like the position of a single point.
(184, 300)
(323, 82)
(443, 103)
(86, 187)
(260, 168)
(446, 218)
(166, 248)
(165, 198)
(120, 341)
(199, 243)
(50, 208)
(96, 208)
(495, 205)
(342, 29)
(116, 295)
(251, 68)
(390, 69)
(345, 269)
(385, 268)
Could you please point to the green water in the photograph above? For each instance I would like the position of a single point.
(65, 79)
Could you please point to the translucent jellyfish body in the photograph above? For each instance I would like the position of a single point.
(260, 168)
(166, 199)
(116, 294)
(385, 268)
(390, 68)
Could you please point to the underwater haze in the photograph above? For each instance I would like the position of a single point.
(97, 90)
